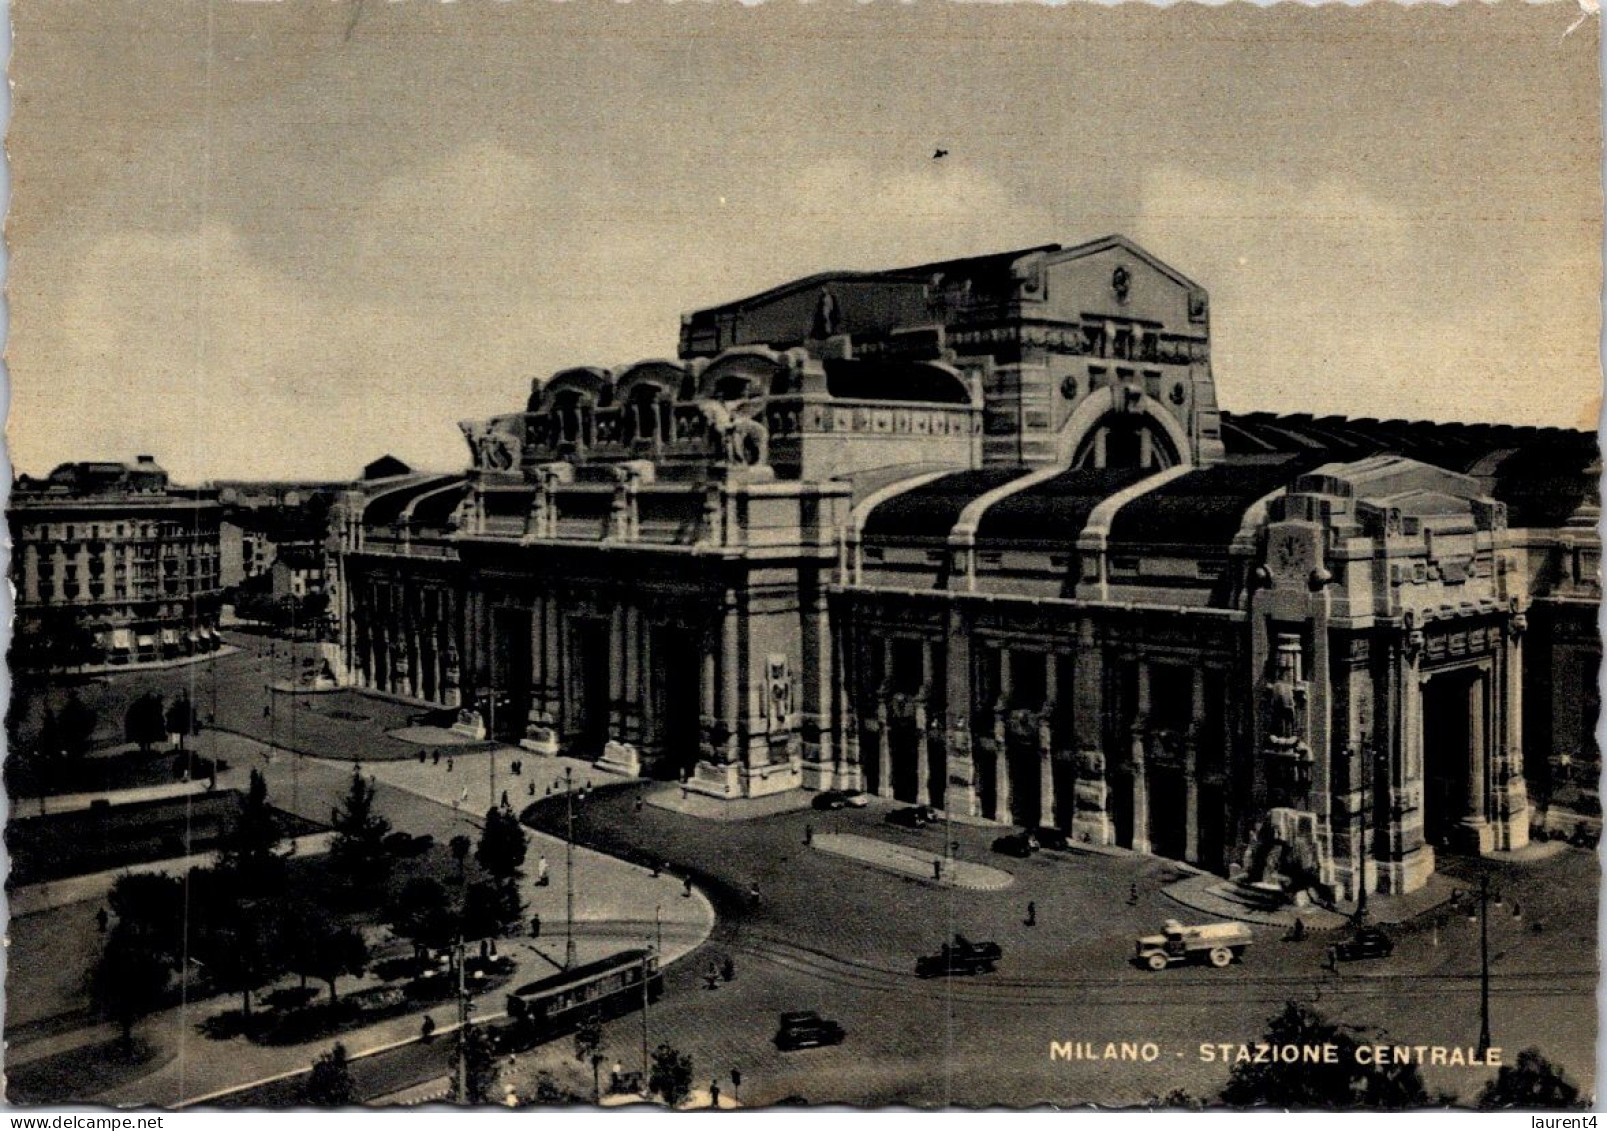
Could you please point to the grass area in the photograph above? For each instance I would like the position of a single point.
(102, 838)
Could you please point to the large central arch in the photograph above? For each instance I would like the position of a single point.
(1129, 408)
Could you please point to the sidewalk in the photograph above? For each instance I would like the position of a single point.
(913, 862)
(74, 802)
(701, 805)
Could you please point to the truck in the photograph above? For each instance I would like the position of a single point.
(1216, 943)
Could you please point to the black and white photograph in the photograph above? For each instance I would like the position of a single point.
(727, 557)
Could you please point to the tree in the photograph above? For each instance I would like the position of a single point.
(589, 1050)
(330, 1082)
(502, 845)
(460, 846)
(145, 724)
(77, 726)
(129, 980)
(489, 910)
(239, 945)
(358, 851)
(320, 947)
(180, 717)
(1532, 1083)
(1343, 1084)
(423, 914)
(248, 853)
(152, 907)
(479, 1063)
(671, 1075)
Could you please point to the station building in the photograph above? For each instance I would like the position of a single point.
(976, 534)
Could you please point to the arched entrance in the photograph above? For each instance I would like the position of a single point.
(1455, 757)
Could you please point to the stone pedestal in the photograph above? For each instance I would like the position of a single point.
(470, 725)
(620, 758)
(540, 740)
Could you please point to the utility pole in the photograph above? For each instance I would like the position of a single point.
(569, 868)
(646, 974)
(463, 1030)
(1484, 962)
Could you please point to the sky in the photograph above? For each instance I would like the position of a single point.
(278, 239)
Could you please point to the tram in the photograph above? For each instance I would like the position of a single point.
(551, 1006)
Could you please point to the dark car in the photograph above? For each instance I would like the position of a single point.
(1020, 845)
(1368, 942)
(962, 956)
(914, 817)
(839, 799)
(1051, 838)
(807, 1029)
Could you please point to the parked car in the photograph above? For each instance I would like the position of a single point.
(962, 956)
(1020, 845)
(1051, 838)
(807, 1029)
(840, 799)
(913, 817)
(1216, 943)
(1367, 942)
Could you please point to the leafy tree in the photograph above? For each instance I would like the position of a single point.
(330, 1083)
(358, 851)
(1345, 1084)
(589, 1050)
(152, 907)
(180, 717)
(423, 914)
(322, 948)
(239, 945)
(480, 1069)
(502, 845)
(1532, 1083)
(77, 726)
(489, 910)
(145, 724)
(129, 979)
(248, 853)
(671, 1075)
(460, 846)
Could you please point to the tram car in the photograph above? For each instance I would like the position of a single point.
(557, 1004)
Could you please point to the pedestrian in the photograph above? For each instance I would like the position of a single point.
(937, 868)
(449, 765)
(613, 1076)
(437, 755)
(535, 926)
(532, 789)
(753, 895)
(712, 978)
(1299, 932)
(809, 833)
(421, 757)
(687, 892)
(1032, 913)
(714, 1095)
(427, 1030)
(101, 919)
(638, 803)
(542, 879)
(1132, 895)
(505, 804)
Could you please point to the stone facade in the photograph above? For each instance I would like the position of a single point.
(975, 534)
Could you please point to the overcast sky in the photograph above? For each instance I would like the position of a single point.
(279, 239)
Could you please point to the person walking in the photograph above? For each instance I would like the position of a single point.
(714, 1095)
(686, 893)
(535, 926)
(542, 879)
(505, 804)
(437, 756)
(449, 765)
(1032, 913)
(101, 919)
(809, 834)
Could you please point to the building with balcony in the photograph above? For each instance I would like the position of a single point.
(976, 534)
(112, 565)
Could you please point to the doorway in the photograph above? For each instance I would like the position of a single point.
(677, 666)
(1448, 738)
(588, 684)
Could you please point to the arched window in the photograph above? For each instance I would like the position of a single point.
(642, 417)
(1126, 441)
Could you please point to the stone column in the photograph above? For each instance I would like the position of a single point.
(1477, 794)
(1090, 819)
(1001, 736)
(849, 772)
(1046, 743)
(647, 718)
(1191, 767)
(884, 735)
(732, 683)
(1138, 763)
(1512, 792)
(616, 671)
(923, 764)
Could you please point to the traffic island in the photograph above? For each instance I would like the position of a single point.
(913, 862)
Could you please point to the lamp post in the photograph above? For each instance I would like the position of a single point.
(1484, 898)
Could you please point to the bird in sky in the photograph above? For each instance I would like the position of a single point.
(940, 154)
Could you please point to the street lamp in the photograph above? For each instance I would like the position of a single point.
(569, 870)
(1479, 904)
